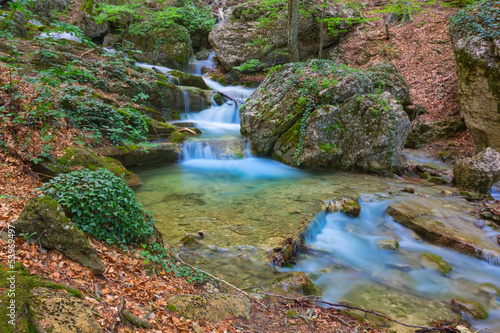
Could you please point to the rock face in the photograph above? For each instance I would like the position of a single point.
(211, 307)
(80, 157)
(322, 115)
(45, 218)
(44, 8)
(478, 68)
(426, 132)
(479, 172)
(61, 312)
(240, 37)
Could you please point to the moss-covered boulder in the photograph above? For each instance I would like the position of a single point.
(425, 132)
(344, 205)
(75, 158)
(184, 79)
(57, 311)
(240, 37)
(211, 307)
(297, 283)
(44, 219)
(135, 155)
(323, 115)
(471, 308)
(434, 261)
(169, 45)
(479, 172)
(86, 15)
(475, 41)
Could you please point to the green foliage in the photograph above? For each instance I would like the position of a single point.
(195, 19)
(404, 10)
(481, 19)
(157, 254)
(250, 66)
(101, 204)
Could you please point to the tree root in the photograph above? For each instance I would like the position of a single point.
(136, 321)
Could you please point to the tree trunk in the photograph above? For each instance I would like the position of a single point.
(322, 31)
(293, 29)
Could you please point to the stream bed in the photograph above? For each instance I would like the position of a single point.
(247, 206)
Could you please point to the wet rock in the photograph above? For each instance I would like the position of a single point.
(232, 77)
(297, 282)
(184, 79)
(111, 40)
(344, 130)
(60, 312)
(344, 205)
(80, 157)
(211, 307)
(189, 242)
(44, 219)
(435, 261)
(469, 195)
(203, 54)
(183, 124)
(88, 10)
(239, 28)
(478, 70)
(473, 309)
(479, 172)
(136, 155)
(426, 132)
(436, 179)
(388, 244)
(408, 190)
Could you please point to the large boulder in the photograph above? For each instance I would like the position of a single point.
(426, 132)
(46, 8)
(86, 15)
(254, 31)
(44, 219)
(479, 172)
(322, 115)
(74, 158)
(169, 46)
(57, 311)
(211, 307)
(476, 46)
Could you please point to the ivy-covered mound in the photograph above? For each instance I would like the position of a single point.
(101, 204)
(257, 31)
(475, 35)
(323, 115)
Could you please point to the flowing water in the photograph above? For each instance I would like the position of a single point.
(246, 206)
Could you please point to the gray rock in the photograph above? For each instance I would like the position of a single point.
(232, 38)
(352, 124)
(45, 8)
(479, 172)
(89, 9)
(211, 307)
(45, 218)
(478, 69)
(60, 312)
(427, 132)
(388, 244)
(297, 283)
(111, 40)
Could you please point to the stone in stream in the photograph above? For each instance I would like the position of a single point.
(184, 79)
(296, 283)
(44, 219)
(479, 172)
(211, 307)
(344, 205)
(434, 261)
(356, 122)
(388, 244)
(473, 309)
(478, 71)
(135, 155)
(450, 227)
(61, 312)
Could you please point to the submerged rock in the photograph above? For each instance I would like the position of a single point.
(322, 115)
(44, 219)
(478, 71)
(57, 311)
(473, 309)
(479, 172)
(388, 244)
(297, 282)
(435, 261)
(211, 307)
(236, 39)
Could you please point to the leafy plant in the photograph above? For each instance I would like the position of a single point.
(481, 18)
(101, 204)
(249, 66)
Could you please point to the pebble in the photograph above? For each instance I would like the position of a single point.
(197, 328)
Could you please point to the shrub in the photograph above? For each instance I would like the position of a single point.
(250, 66)
(101, 204)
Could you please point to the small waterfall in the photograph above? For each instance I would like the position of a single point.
(196, 65)
(185, 97)
(495, 191)
(192, 150)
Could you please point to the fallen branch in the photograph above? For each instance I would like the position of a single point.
(226, 96)
(220, 280)
(423, 328)
(136, 321)
(118, 314)
(86, 52)
(185, 129)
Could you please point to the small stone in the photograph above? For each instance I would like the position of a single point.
(181, 216)
(434, 261)
(197, 328)
(408, 190)
(474, 309)
(388, 244)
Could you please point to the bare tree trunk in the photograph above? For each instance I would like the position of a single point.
(293, 29)
(321, 31)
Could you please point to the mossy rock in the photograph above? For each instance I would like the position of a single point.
(436, 262)
(388, 244)
(75, 158)
(44, 218)
(473, 309)
(297, 282)
(344, 205)
(135, 155)
(178, 137)
(184, 79)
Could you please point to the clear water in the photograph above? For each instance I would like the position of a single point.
(246, 206)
